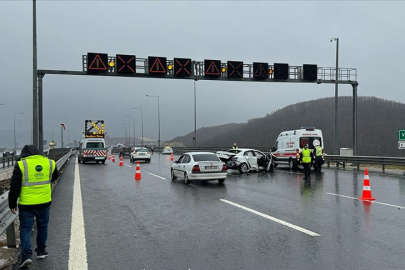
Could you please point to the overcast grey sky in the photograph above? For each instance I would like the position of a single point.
(371, 35)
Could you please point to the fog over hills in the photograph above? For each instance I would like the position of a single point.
(378, 122)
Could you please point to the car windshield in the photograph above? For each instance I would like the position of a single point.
(205, 157)
(141, 150)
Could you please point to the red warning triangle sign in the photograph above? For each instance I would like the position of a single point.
(97, 64)
(261, 72)
(158, 67)
(212, 69)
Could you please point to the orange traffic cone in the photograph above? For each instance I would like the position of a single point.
(138, 171)
(171, 158)
(109, 157)
(366, 188)
(121, 162)
(113, 160)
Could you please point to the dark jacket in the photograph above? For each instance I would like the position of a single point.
(16, 180)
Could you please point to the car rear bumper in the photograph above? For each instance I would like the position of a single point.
(94, 158)
(207, 176)
(140, 158)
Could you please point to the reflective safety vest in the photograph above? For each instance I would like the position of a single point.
(306, 155)
(318, 151)
(234, 147)
(36, 173)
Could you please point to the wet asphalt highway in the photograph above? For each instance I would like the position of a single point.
(253, 221)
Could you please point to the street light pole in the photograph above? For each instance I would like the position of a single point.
(195, 116)
(15, 142)
(336, 94)
(52, 133)
(158, 117)
(129, 134)
(133, 122)
(141, 121)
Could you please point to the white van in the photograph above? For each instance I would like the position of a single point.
(92, 149)
(289, 143)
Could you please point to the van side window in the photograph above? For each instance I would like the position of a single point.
(275, 146)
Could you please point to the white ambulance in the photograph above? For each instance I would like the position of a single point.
(289, 143)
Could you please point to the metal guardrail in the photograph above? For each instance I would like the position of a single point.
(357, 160)
(7, 218)
(181, 150)
(8, 161)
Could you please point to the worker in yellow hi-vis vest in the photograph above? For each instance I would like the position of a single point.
(306, 159)
(31, 185)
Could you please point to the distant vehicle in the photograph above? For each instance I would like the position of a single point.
(289, 143)
(140, 153)
(92, 149)
(245, 160)
(115, 150)
(9, 152)
(125, 151)
(167, 150)
(199, 166)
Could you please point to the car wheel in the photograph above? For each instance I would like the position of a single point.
(83, 161)
(221, 181)
(186, 180)
(172, 175)
(103, 162)
(243, 168)
(78, 160)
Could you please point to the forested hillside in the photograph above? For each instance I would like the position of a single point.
(378, 123)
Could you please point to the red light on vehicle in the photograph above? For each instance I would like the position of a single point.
(224, 168)
(196, 168)
(148, 153)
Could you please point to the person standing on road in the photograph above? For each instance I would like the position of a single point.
(31, 183)
(318, 156)
(306, 158)
(152, 149)
(235, 146)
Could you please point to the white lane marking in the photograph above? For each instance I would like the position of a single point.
(392, 205)
(272, 218)
(128, 165)
(157, 176)
(77, 250)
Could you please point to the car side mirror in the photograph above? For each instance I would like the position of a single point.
(273, 149)
(176, 161)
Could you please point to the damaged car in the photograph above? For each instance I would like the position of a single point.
(245, 160)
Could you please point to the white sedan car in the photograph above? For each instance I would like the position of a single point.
(140, 153)
(245, 160)
(199, 166)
